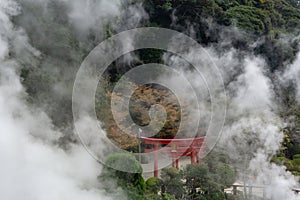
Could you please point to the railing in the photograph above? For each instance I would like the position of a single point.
(251, 187)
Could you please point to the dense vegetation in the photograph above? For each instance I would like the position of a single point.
(206, 181)
(274, 23)
(62, 50)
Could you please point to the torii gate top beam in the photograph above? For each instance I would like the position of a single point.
(177, 147)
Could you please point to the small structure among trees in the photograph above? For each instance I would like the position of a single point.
(177, 148)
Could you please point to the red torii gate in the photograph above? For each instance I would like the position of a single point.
(177, 147)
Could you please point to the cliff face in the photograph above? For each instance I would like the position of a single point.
(143, 98)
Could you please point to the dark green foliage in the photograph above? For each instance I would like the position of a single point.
(296, 156)
(199, 176)
(296, 162)
(289, 155)
(290, 14)
(277, 52)
(226, 174)
(49, 79)
(208, 180)
(226, 4)
(172, 183)
(150, 55)
(127, 161)
(153, 185)
(152, 196)
(166, 196)
(132, 183)
(294, 3)
(250, 18)
(258, 16)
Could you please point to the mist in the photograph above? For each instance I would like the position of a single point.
(33, 163)
(292, 73)
(252, 133)
(39, 147)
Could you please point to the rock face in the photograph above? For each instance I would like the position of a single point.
(149, 95)
(140, 103)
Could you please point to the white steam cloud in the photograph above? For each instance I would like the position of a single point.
(32, 165)
(293, 73)
(251, 135)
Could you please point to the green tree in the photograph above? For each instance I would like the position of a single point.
(172, 183)
(250, 18)
(132, 183)
(208, 180)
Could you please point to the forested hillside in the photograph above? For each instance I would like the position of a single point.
(273, 25)
(263, 29)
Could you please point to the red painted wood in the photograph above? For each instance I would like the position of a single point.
(156, 161)
(183, 147)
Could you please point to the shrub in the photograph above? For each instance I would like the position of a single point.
(250, 18)
(172, 183)
(132, 183)
(153, 185)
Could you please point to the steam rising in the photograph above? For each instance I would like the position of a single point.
(251, 135)
(32, 164)
(293, 73)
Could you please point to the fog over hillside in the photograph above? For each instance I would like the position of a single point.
(44, 42)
